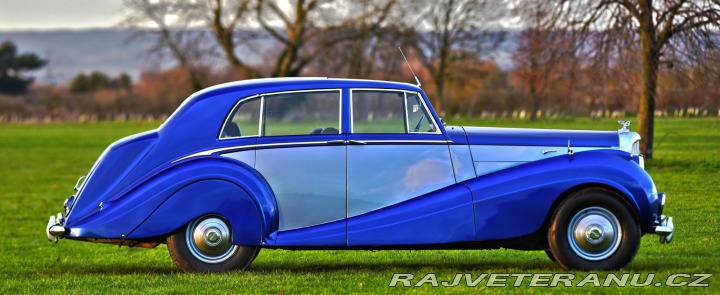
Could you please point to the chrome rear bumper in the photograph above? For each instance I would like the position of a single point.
(55, 229)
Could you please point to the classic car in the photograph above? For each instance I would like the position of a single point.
(318, 163)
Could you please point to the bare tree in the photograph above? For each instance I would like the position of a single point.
(372, 50)
(173, 22)
(449, 29)
(545, 57)
(225, 19)
(658, 28)
(307, 29)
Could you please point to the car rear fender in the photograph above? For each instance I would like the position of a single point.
(221, 186)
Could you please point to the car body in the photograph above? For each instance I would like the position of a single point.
(318, 163)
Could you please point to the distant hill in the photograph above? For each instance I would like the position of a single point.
(74, 51)
(110, 50)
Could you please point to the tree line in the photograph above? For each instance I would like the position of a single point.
(588, 56)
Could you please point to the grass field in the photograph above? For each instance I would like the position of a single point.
(40, 163)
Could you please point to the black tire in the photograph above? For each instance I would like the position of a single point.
(604, 236)
(550, 255)
(205, 245)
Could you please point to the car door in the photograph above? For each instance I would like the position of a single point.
(401, 184)
(301, 154)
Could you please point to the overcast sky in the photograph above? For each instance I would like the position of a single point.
(58, 14)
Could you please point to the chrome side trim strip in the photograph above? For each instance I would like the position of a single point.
(266, 145)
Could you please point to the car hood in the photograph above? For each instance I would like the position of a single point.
(540, 137)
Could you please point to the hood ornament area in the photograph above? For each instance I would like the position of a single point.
(625, 125)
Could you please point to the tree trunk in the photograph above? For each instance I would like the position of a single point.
(646, 116)
(650, 65)
(440, 85)
(194, 80)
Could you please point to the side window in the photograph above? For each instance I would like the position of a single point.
(377, 111)
(244, 120)
(419, 119)
(299, 113)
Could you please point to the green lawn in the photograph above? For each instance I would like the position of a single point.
(39, 164)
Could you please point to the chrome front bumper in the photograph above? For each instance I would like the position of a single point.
(663, 226)
(55, 228)
(666, 229)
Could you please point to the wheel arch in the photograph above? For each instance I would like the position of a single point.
(619, 193)
(229, 188)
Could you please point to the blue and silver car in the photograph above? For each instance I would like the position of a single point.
(317, 163)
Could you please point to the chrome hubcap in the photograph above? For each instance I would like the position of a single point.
(209, 240)
(594, 233)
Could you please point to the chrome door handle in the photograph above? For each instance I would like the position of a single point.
(337, 141)
(356, 142)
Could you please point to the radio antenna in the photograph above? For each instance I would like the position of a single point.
(411, 70)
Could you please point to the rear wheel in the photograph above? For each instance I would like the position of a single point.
(550, 255)
(593, 229)
(205, 245)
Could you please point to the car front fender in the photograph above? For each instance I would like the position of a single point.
(518, 201)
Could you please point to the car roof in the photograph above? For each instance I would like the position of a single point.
(270, 85)
(320, 82)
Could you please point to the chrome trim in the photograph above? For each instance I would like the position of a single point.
(264, 95)
(666, 229)
(405, 92)
(50, 224)
(78, 184)
(356, 142)
(261, 119)
(54, 229)
(57, 230)
(429, 114)
(405, 113)
(629, 142)
(548, 151)
(662, 198)
(209, 240)
(594, 233)
(227, 118)
(409, 141)
(625, 125)
(266, 145)
(250, 146)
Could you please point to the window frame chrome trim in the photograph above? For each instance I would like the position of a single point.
(261, 120)
(231, 113)
(407, 126)
(405, 112)
(262, 108)
(427, 114)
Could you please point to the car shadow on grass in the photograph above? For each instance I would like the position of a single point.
(400, 266)
(79, 269)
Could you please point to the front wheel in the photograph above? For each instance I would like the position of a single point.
(205, 245)
(593, 230)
